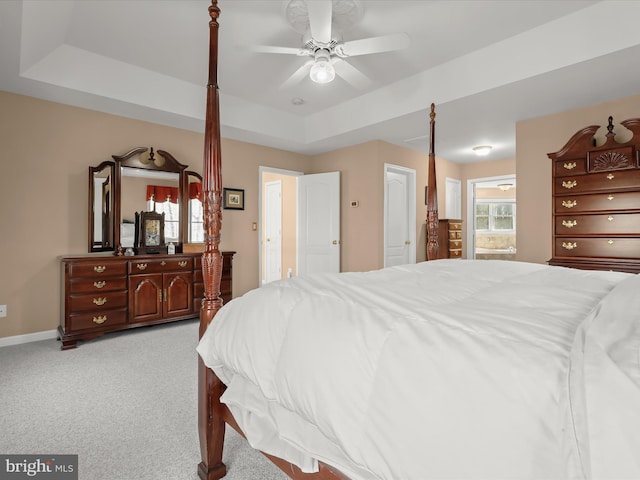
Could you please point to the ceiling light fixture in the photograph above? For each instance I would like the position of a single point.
(322, 71)
(505, 186)
(482, 150)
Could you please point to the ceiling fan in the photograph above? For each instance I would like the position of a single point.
(321, 42)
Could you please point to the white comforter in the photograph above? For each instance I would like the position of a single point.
(443, 369)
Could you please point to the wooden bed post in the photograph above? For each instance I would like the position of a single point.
(432, 194)
(210, 421)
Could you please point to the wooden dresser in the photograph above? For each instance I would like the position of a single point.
(449, 238)
(596, 201)
(104, 294)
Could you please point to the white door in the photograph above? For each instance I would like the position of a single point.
(273, 232)
(454, 198)
(399, 216)
(318, 223)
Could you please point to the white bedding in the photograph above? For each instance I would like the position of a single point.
(443, 369)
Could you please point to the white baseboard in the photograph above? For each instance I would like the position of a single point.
(28, 338)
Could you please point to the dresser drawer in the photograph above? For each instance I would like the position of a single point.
(455, 253)
(598, 182)
(455, 244)
(602, 224)
(97, 269)
(92, 320)
(597, 247)
(455, 235)
(97, 301)
(158, 266)
(570, 167)
(89, 285)
(598, 202)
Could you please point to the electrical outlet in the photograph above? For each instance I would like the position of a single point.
(3, 311)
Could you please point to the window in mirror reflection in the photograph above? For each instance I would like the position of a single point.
(163, 199)
(196, 213)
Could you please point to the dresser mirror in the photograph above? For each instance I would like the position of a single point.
(101, 207)
(142, 180)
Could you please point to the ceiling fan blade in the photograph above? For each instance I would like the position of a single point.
(351, 74)
(297, 76)
(386, 43)
(320, 12)
(301, 52)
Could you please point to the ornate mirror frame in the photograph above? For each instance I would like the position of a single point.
(101, 207)
(111, 215)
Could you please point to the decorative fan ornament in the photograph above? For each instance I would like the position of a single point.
(321, 23)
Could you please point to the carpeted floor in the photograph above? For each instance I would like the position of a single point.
(124, 403)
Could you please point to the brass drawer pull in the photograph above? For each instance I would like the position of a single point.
(100, 301)
(141, 266)
(610, 197)
(569, 223)
(569, 245)
(163, 263)
(182, 263)
(611, 176)
(99, 268)
(569, 203)
(569, 184)
(610, 242)
(610, 218)
(570, 166)
(99, 284)
(100, 319)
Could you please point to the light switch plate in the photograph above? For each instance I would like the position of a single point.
(3, 311)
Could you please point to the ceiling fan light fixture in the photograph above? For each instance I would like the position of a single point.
(505, 186)
(322, 70)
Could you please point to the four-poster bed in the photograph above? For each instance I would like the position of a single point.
(418, 371)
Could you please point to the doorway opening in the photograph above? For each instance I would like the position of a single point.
(491, 214)
(299, 223)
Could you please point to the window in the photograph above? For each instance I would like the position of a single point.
(495, 215)
(163, 199)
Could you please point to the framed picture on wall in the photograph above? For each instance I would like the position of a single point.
(233, 198)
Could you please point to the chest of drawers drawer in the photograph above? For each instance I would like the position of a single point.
(179, 264)
(598, 182)
(91, 320)
(597, 202)
(598, 224)
(97, 302)
(597, 247)
(90, 285)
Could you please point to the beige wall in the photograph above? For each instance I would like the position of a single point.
(48, 147)
(46, 151)
(534, 139)
(362, 179)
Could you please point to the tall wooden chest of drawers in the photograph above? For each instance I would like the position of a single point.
(449, 238)
(104, 294)
(596, 201)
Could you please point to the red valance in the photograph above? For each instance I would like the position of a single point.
(195, 191)
(162, 194)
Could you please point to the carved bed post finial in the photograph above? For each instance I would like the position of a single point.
(210, 423)
(432, 194)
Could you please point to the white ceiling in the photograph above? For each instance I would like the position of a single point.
(485, 64)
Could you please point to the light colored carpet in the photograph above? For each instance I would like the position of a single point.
(125, 404)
